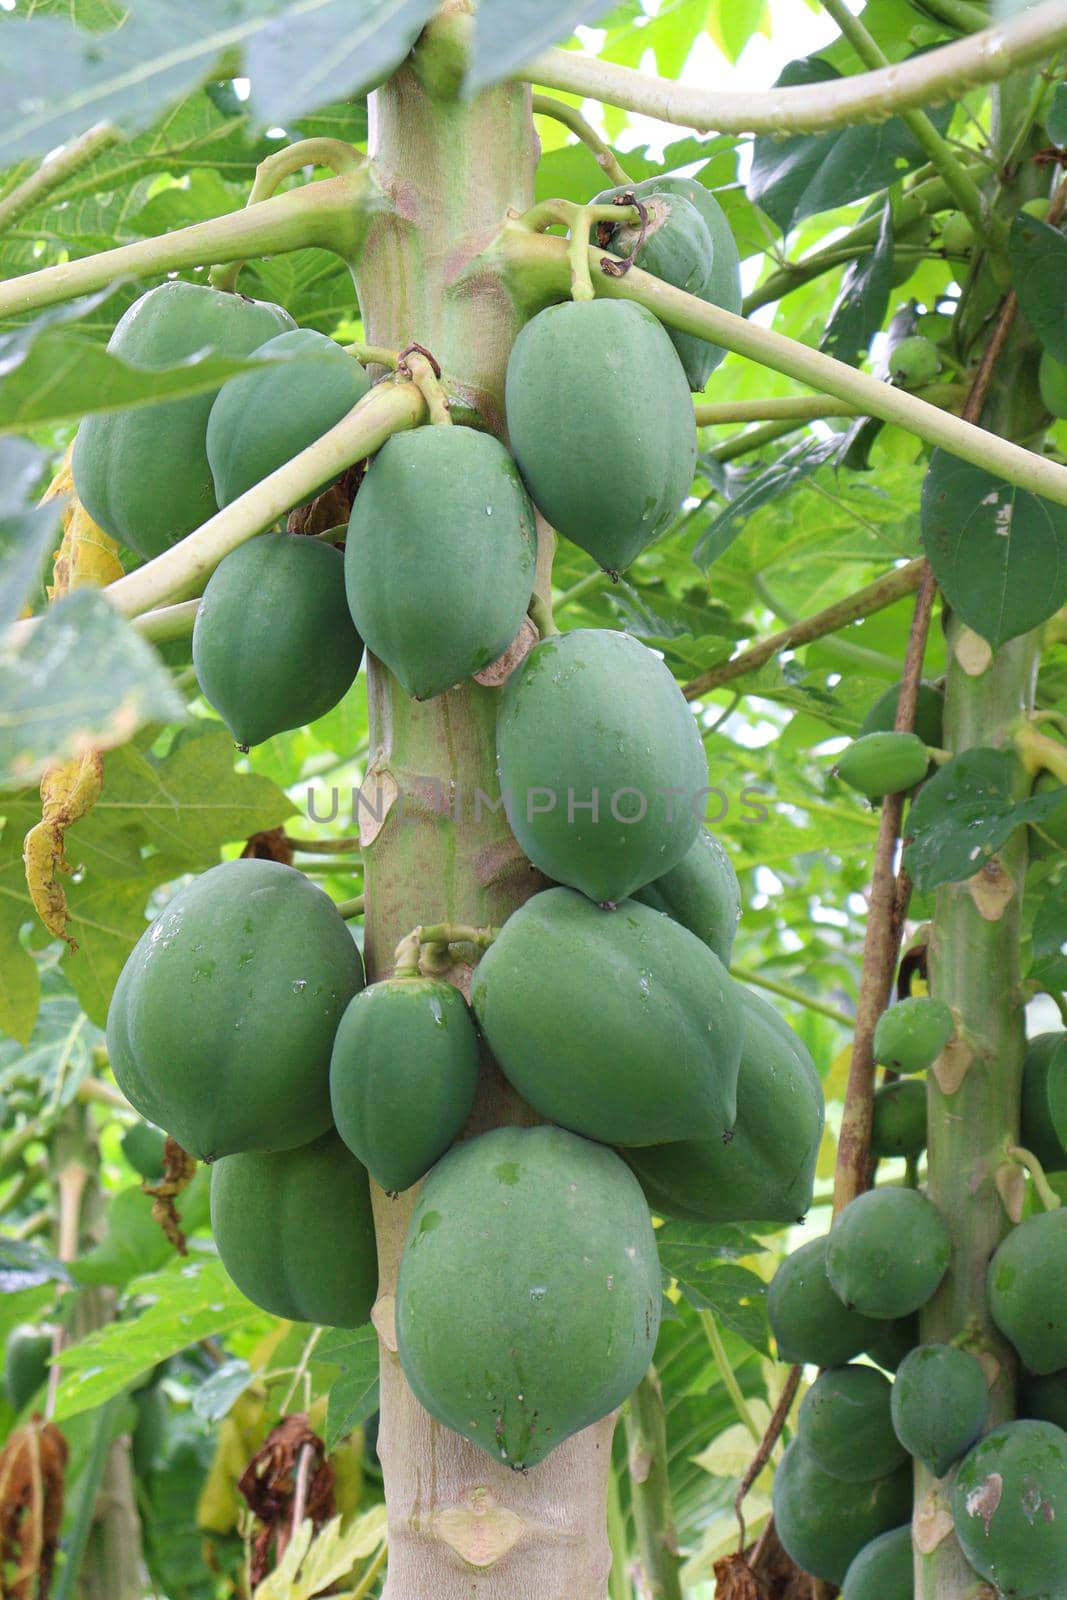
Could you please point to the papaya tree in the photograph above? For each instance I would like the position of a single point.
(533, 800)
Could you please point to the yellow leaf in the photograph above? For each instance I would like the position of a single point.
(87, 557)
(729, 1455)
(312, 1565)
(68, 792)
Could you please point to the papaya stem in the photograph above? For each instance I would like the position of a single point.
(54, 169)
(578, 256)
(650, 1490)
(351, 908)
(584, 586)
(1039, 753)
(964, 190)
(458, 933)
(540, 613)
(543, 105)
(342, 160)
(550, 213)
(727, 1373)
(299, 1370)
(865, 602)
(408, 951)
(798, 996)
(1030, 1163)
(168, 622)
(415, 364)
(323, 847)
(938, 75)
(374, 355)
(800, 407)
(619, 1587)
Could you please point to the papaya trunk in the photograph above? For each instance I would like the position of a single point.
(435, 850)
(974, 1088)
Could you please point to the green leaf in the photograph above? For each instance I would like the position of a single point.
(986, 540)
(319, 50)
(354, 1392)
(1048, 959)
(1056, 115)
(82, 677)
(732, 23)
(964, 814)
(216, 1395)
(863, 299)
(59, 1051)
(507, 33)
(25, 531)
(24, 1265)
(796, 178)
(134, 1242)
(692, 1254)
(772, 484)
(189, 1300)
(1038, 268)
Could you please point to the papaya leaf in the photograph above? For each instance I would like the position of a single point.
(354, 1392)
(25, 531)
(964, 814)
(775, 481)
(796, 178)
(985, 540)
(24, 1265)
(320, 50)
(693, 1254)
(863, 299)
(732, 23)
(508, 33)
(216, 1394)
(58, 1055)
(314, 1562)
(189, 1300)
(1048, 958)
(82, 677)
(1038, 266)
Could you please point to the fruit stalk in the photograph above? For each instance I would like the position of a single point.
(456, 1517)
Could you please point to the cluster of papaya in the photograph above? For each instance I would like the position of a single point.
(241, 1023)
(844, 1480)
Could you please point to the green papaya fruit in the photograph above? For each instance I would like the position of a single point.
(1024, 1284)
(1044, 1396)
(601, 763)
(295, 1231)
(940, 1404)
(891, 1341)
(723, 285)
(142, 473)
(1051, 829)
(898, 1127)
(914, 361)
(823, 1522)
(149, 1432)
(845, 1425)
(402, 1076)
(884, 1569)
(602, 425)
(273, 641)
(261, 420)
(883, 763)
(619, 1025)
(27, 1357)
(1052, 378)
(222, 1022)
(888, 1251)
(807, 1319)
(911, 1035)
(957, 234)
(935, 325)
(929, 714)
(1009, 1507)
(702, 893)
(528, 1298)
(676, 247)
(142, 1145)
(766, 1171)
(439, 560)
(1044, 1100)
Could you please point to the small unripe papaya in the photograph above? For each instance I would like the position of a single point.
(1052, 378)
(888, 1250)
(914, 362)
(884, 1569)
(940, 1403)
(823, 1522)
(143, 1145)
(883, 763)
(702, 893)
(957, 235)
(1024, 1283)
(898, 1127)
(807, 1319)
(1038, 207)
(1043, 1126)
(402, 1076)
(935, 325)
(929, 714)
(27, 1356)
(261, 420)
(274, 646)
(911, 1035)
(844, 1423)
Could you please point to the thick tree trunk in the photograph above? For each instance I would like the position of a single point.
(460, 1525)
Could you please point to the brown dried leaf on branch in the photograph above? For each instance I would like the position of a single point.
(179, 1170)
(32, 1464)
(271, 1483)
(763, 1572)
(273, 844)
(68, 792)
